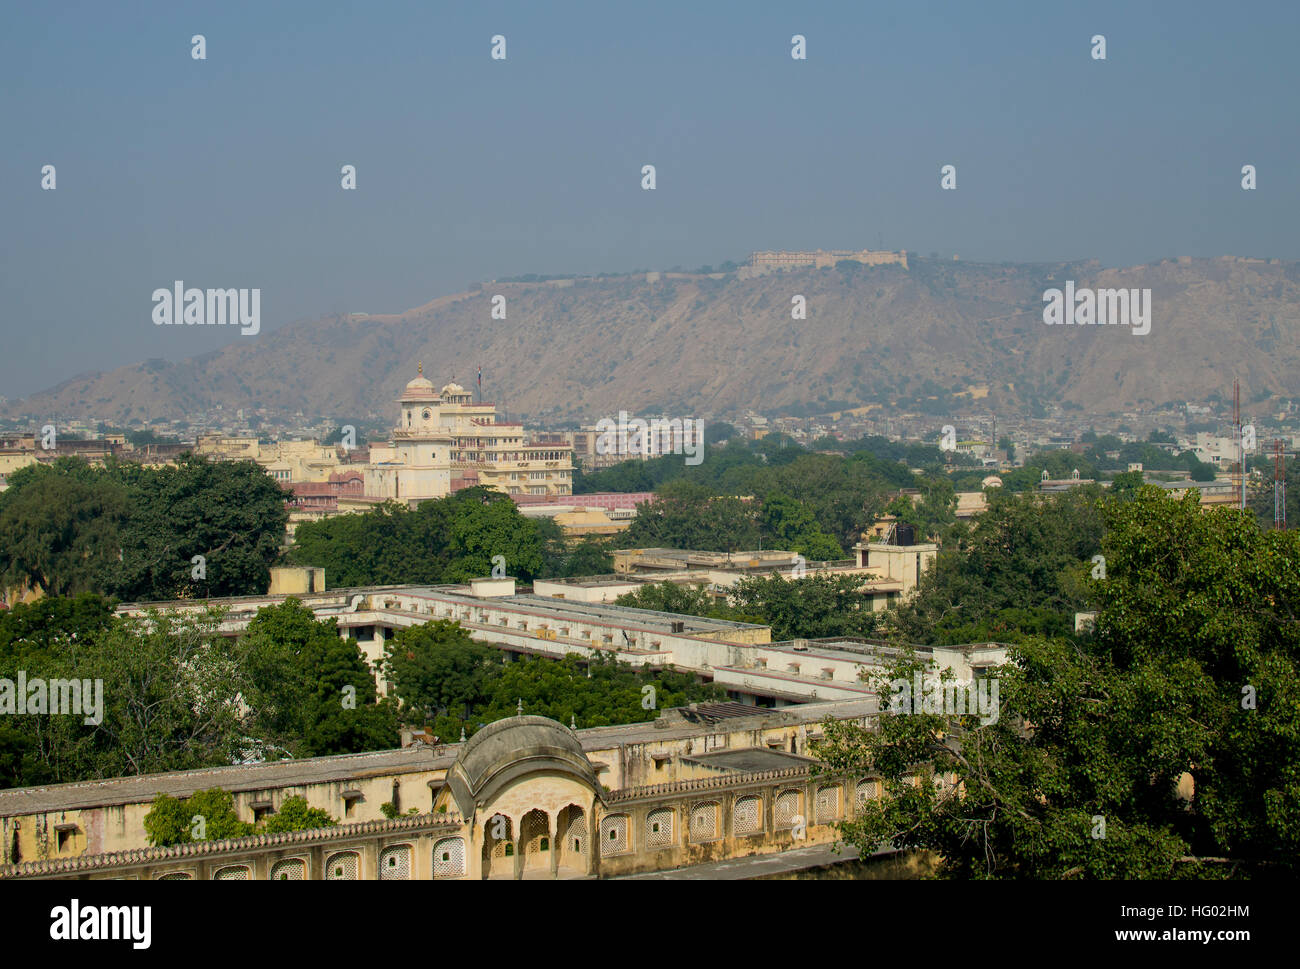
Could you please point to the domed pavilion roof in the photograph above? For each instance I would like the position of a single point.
(421, 388)
(511, 749)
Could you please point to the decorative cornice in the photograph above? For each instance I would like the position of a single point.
(708, 784)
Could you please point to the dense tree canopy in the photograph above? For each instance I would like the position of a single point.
(843, 495)
(1193, 670)
(165, 699)
(134, 532)
(814, 607)
(310, 692)
(203, 816)
(450, 539)
(688, 516)
(175, 694)
(1019, 571)
(444, 677)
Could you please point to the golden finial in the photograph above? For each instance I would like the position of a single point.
(421, 368)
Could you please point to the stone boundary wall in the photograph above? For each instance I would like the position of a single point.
(416, 824)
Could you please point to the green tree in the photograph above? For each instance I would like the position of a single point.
(174, 821)
(1191, 674)
(61, 530)
(718, 432)
(229, 512)
(685, 599)
(789, 524)
(590, 556)
(172, 685)
(688, 516)
(159, 694)
(295, 815)
(450, 539)
(133, 532)
(1023, 564)
(1126, 484)
(437, 668)
(311, 692)
(591, 692)
(486, 524)
(815, 607)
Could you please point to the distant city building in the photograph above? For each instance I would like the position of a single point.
(764, 262)
(445, 442)
(596, 448)
(22, 450)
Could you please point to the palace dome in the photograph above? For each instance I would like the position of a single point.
(511, 749)
(421, 388)
(452, 388)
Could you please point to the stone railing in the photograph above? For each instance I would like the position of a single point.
(706, 784)
(198, 849)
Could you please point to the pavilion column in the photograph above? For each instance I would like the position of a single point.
(552, 822)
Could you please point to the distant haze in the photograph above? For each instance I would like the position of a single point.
(941, 338)
(225, 172)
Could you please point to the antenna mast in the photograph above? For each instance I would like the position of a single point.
(1239, 476)
(1279, 486)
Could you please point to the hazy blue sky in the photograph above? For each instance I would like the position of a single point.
(225, 172)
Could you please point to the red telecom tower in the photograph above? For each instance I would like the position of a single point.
(1238, 476)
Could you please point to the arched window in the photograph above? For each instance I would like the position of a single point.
(787, 808)
(704, 821)
(449, 858)
(342, 867)
(867, 791)
(289, 870)
(828, 803)
(659, 828)
(395, 863)
(613, 835)
(747, 815)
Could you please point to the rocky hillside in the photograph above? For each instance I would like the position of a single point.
(700, 346)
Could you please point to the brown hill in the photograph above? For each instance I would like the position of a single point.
(695, 345)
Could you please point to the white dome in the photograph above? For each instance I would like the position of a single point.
(421, 388)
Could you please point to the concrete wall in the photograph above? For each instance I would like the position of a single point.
(635, 831)
(296, 581)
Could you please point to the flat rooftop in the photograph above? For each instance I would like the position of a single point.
(338, 602)
(340, 767)
(676, 557)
